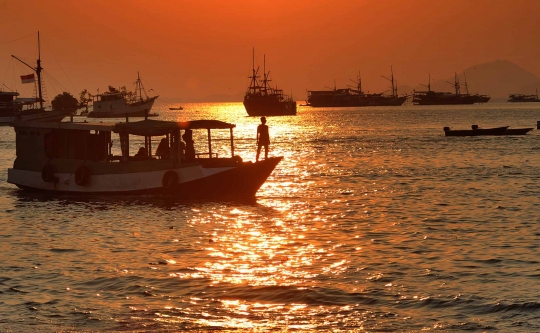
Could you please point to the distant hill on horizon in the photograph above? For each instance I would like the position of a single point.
(497, 79)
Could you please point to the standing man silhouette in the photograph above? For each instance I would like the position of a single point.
(263, 139)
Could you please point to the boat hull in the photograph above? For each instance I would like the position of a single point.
(356, 101)
(518, 131)
(240, 182)
(36, 115)
(263, 107)
(476, 132)
(121, 109)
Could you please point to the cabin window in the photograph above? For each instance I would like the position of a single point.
(124, 145)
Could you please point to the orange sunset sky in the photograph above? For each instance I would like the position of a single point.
(201, 50)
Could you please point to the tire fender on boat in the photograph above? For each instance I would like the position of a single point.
(82, 175)
(47, 173)
(170, 180)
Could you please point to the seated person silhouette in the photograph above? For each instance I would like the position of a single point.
(141, 153)
(163, 149)
(190, 148)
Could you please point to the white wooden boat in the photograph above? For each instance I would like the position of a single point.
(119, 104)
(78, 158)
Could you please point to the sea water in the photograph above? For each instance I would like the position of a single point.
(373, 222)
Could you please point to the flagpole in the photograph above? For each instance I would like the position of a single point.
(38, 70)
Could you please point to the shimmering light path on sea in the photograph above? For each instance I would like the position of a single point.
(374, 221)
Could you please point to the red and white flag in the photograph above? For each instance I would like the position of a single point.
(28, 78)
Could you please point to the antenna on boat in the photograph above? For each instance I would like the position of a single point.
(36, 69)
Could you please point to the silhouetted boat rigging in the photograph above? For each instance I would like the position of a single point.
(13, 108)
(348, 97)
(119, 104)
(521, 98)
(263, 100)
(78, 158)
(430, 97)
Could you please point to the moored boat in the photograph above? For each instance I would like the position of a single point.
(263, 100)
(431, 97)
(13, 108)
(522, 98)
(76, 157)
(176, 108)
(119, 104)
(475, 131)
(348, 97)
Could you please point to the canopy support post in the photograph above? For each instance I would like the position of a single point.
(209, 144)
(232, 142)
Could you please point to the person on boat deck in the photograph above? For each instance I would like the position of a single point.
(163, 149)
(190, 148)
(181, 150)
(263, 139)
(141, 152)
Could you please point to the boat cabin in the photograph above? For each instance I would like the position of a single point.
(118, 148)
(6, 102)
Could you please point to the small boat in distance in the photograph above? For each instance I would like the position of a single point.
(263, 100)
(73, 157)
(176, 108)
(475, 131)
(120, 104)
(521, 98)
(431, 97)
(350, 97)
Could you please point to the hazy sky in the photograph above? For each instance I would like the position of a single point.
(193, 49)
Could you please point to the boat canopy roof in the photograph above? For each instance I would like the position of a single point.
(95, 126)
(159, 127)
(9, 93)
(142, 128)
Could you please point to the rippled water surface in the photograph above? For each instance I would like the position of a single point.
(373, 222)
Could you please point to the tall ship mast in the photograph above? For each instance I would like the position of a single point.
(431, 97)
(261, 99)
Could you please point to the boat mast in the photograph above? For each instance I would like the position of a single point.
(38, 72)
(36, 69)
(139, 85)
(391, 79)
(253, 77)
(264, 72)
(360, 83)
